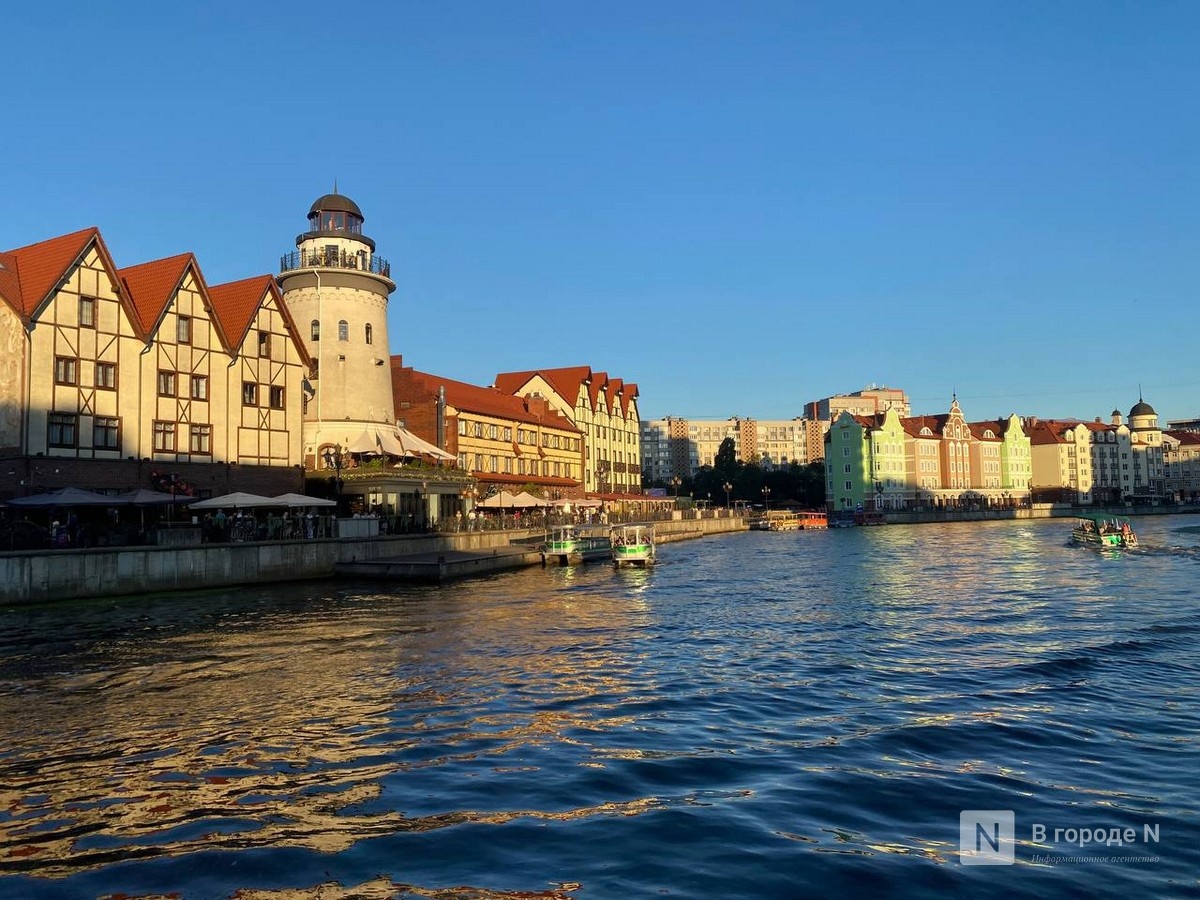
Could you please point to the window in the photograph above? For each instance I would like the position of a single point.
(478, 429)
(199, 387)
(846, 469)
(166, 383)
(478, 462)
(62, 429)
(343, 330)
(276, 396)
(367, 336)
(200, 439)
(264, 344)
(106, 375)
(462, 429)
(494, 432)
(87, 312)
(316, 330)
(164, 435)
(249, 393)
(183, 329)
(64, 371)
(507, 433)
(106, 433)
(493, 464)
(845, 451)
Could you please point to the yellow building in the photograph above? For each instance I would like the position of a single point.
(147, 362)
(604, 409)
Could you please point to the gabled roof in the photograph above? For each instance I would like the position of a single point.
(152, 285)
(32, 273)
(490, 402)
(565, 381)
(236, 303)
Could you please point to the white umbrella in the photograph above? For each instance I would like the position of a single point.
(527, 499)
(143, 497)
(239, 500)
(300, 500)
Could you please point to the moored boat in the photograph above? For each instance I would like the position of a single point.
(632, 545)
(567, 545)
(1102, 530)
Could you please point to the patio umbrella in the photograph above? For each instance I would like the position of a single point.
(527, 499)
(239, 500)
(66, 497)
(143, 497)
(294, 501)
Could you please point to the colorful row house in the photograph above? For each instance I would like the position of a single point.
(888, 462)
(148, 362)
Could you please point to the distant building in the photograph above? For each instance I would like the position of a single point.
(1181, 464)
(678, 447)
(869, 401)
(1183, 425)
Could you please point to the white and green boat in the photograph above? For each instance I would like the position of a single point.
(568, 545)
(632, 545)
(1103, 531)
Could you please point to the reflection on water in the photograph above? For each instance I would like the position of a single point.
(759, 715)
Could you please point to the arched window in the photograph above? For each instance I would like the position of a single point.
(367, 333)
(343, 330)
(316, 329)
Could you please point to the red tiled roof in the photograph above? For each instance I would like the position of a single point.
(913, 425)
(236, 303)
(489, 401)
(31, 273)
(1185, 437)
(152, 285)
(997, 427)
(565, 381)
(1051, 431)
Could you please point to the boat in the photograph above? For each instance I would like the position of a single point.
(789, 520)
(1102, 530)
(632, 545)
(567, 545)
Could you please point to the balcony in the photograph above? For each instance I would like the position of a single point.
(328, 258)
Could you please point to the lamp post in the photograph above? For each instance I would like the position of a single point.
(766, 491)
(675, 482)
(333, 460)
(728, 487)
(878, 496)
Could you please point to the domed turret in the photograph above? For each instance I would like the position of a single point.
(1142, 408)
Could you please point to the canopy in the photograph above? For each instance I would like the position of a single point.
(398, 442)
(239, 500)
(67, 497)
(527, 499)
(505, 500)
(143, 497)
(300, 500)
(415, 446)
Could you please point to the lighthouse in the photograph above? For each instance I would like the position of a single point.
(336, 289)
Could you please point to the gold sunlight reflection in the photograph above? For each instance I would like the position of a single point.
(284, 736)
(386, 889)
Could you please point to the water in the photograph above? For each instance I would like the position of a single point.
(762, 715)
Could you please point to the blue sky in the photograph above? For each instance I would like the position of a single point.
(740, 206)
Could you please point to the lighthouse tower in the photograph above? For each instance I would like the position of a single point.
(336, 290)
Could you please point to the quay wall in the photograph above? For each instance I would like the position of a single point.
(39, 576)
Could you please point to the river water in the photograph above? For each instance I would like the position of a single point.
(761, 715)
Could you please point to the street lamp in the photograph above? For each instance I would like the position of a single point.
(675, 482)
(728, 487)
(333, 460)
(878, 495)
(766, 498)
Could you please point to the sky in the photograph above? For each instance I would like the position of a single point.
(741, 207)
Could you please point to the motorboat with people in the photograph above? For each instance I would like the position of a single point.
(632, 545)
(1102, 530)
(568, 545)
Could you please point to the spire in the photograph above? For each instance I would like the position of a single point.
(335, 184)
